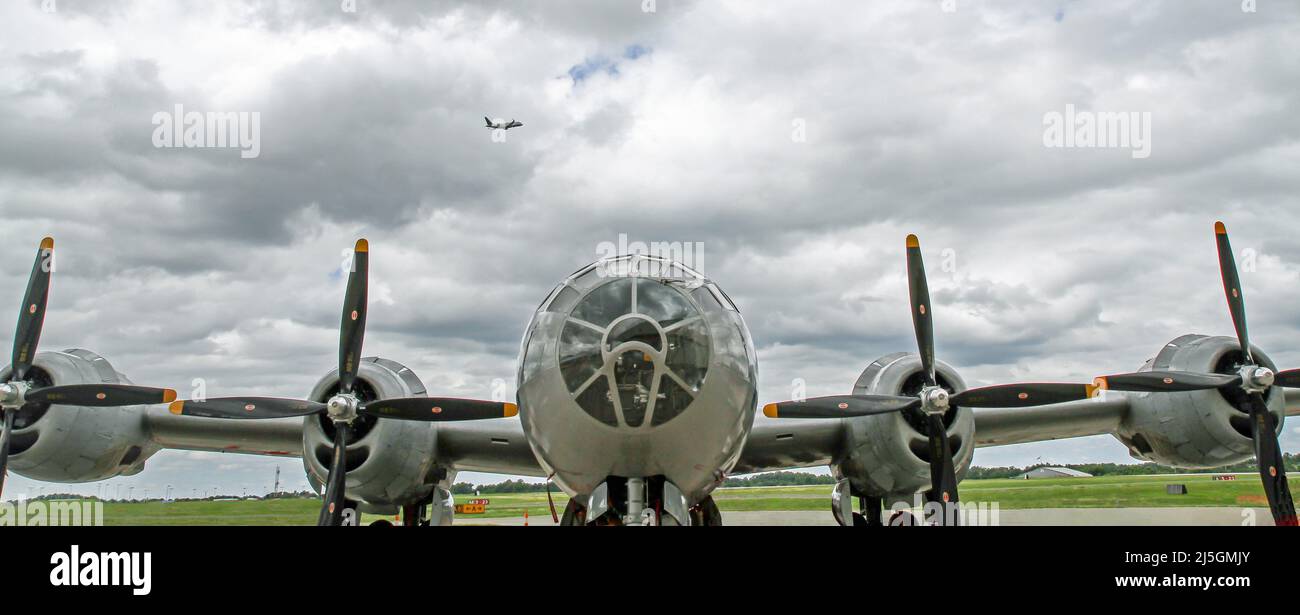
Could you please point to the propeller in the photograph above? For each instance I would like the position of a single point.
(1251, 379)
(933, 400)
(345, 406)
(20, 389)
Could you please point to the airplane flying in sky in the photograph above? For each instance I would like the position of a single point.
(501, 125)
(637, 395)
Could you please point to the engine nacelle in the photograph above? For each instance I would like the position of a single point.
(1196, 429)
(889, 453)
(75, 444)
(389, 462)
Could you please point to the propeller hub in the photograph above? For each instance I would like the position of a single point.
(13, 394)
(935, 400)
(342, 408)
(1256, 379)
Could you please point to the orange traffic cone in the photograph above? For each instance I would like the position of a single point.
(525, 517)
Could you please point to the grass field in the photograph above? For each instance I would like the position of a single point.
(1097, 492)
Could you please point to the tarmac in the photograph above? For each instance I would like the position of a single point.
(1181, 516)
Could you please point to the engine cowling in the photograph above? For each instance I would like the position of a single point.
(75, 444)
(888, 453)
(1196, 429)
(389, 462)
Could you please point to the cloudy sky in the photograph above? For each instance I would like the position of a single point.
(799, 142)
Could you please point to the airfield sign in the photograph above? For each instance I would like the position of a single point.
(472, 507)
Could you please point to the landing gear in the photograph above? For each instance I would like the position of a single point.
(637, 513)
(574, 514)
(638, 501)
(706, 513)
(413, 515)
(871, 512)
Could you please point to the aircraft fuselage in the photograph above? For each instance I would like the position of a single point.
(637, 367)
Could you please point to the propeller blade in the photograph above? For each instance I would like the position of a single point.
(1023, 395)
(438, 409)
(32, 315)
(352, 329)
(246, 408)
(331, 512)
(1268, 455)
(101, 395)
(4, 447)
(919, 291)
(943, 478)
(1166, 381)
(1288, 378)
(1232, 289)
(839, 406)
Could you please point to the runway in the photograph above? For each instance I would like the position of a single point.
(1182, 516)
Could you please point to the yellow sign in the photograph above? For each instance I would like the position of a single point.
(471, 509)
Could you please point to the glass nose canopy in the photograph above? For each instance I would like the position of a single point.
(634, 350)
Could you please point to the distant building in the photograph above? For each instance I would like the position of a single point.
(1054, 473)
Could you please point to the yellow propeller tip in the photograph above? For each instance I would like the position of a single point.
(362, 246)
(913, 242)
(176, 407)
(511, 410)
(169, 396)
(47, 243)
(769, 411)
(1220, 229)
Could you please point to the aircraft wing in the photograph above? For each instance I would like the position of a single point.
(497, 446)
(777, 444)
(1075, 419)
(1292, 402)
(998, 427)
(782, 444)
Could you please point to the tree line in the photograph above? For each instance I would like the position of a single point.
(796, 479)
(1290, 461)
